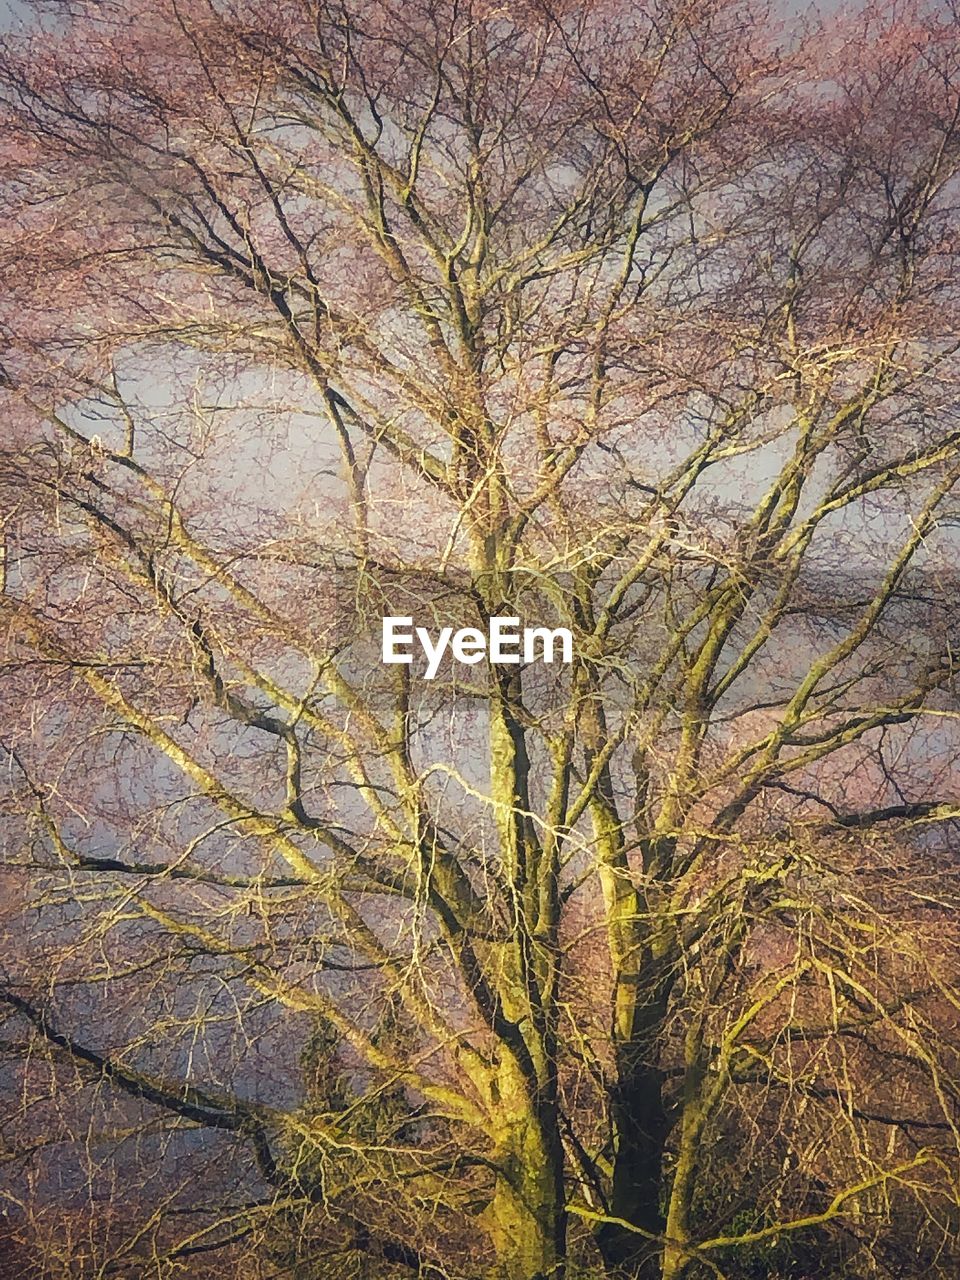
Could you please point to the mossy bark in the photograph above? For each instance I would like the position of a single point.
(526, 1218)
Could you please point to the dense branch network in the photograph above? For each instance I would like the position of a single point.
(623, 318)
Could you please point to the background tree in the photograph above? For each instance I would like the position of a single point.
(637, 319)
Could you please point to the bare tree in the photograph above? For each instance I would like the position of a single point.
(635, 319)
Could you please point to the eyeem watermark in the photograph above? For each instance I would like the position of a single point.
(505, 643)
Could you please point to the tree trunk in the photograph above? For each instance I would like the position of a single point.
(527, 1218)
(641, 1127)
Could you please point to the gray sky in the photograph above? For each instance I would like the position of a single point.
(10, 12)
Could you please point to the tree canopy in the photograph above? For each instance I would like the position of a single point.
(638, 319)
